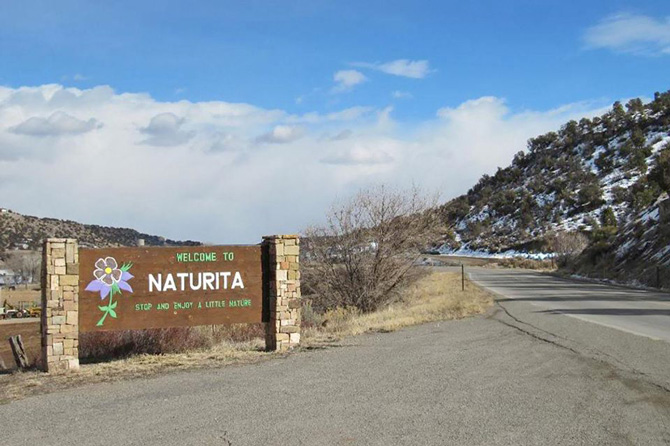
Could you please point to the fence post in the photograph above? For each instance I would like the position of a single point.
(462, 277)
(282, 291)
(60, 303)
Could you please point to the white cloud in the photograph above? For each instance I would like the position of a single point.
(282, 134)
(631, 33)
(58, 124)
(358, 156)
(397, 94)
(345, 80)
(342, 135)
(225, 184)
(164, 129)
(348, 114)
(416, 69)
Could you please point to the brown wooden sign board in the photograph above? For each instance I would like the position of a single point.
(149, 287)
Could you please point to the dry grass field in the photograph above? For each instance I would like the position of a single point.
(16, 297)
(436, 296)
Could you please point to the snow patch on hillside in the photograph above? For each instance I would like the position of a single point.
(509, 254)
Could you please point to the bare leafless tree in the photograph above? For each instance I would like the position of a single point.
(568, 245)
(370, 243)
(26, 265)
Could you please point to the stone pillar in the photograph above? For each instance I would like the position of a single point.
(60, 303)
(282, 288)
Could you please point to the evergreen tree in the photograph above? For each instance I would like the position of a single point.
(608, 218)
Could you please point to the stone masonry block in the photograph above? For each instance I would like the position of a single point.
(69, 252)
(293, 250)
(294, 338)
(69, 279)
(72, 317)
(58, 252)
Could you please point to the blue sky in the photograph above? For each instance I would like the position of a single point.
(271, 52)
(345, 93)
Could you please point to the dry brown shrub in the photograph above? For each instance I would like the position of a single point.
(568, 245)
(363, 255)
(519, 262)
(102, 346)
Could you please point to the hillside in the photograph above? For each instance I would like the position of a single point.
(25, 232)
(607, 177)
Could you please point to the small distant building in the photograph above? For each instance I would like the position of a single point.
(7, 277)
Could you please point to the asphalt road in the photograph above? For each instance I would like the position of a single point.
(600, 318)
(641, 312)
(493, 380)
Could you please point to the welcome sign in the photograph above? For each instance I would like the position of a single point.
(137, 288)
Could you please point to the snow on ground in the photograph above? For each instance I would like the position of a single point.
(653, 215)
(509, 254)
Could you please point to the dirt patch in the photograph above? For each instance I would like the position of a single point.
(29, 329)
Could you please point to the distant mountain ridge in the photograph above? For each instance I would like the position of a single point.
(26, 232)
(607, 177)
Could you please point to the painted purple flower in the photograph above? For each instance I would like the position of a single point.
(110, 278)
(107, 271)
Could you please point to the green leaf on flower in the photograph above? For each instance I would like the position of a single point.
(112, 306)
(126, 266)
(105, 308)
(112, 313)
